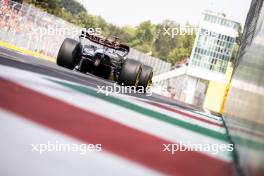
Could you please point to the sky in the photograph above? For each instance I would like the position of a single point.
(132, 12)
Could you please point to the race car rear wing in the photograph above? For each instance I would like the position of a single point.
(106, 42)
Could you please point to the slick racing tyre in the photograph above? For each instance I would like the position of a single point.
(130, 73)
(68, 54)
(145, 78)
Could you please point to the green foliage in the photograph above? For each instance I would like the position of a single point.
(236, 47)
(234, 53)
(178, 54)
(50, 6)
(72, 6)
(146, 37)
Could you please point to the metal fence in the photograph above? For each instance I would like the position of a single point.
(158, 65)
(30, 28)
(21, 25)
(244, 110)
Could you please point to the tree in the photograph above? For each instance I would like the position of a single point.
(178, 54)
(72, 6)
(234, 53)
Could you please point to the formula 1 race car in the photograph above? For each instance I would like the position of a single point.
(104, 57)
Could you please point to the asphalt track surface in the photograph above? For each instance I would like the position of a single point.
(29, 63)
(40, 102)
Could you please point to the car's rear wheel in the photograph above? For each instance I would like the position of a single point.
(130, 73)
(68, 53)
(145, 79)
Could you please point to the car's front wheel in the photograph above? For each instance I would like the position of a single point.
(68, 53)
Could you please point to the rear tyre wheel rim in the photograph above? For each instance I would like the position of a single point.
(138, 77)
